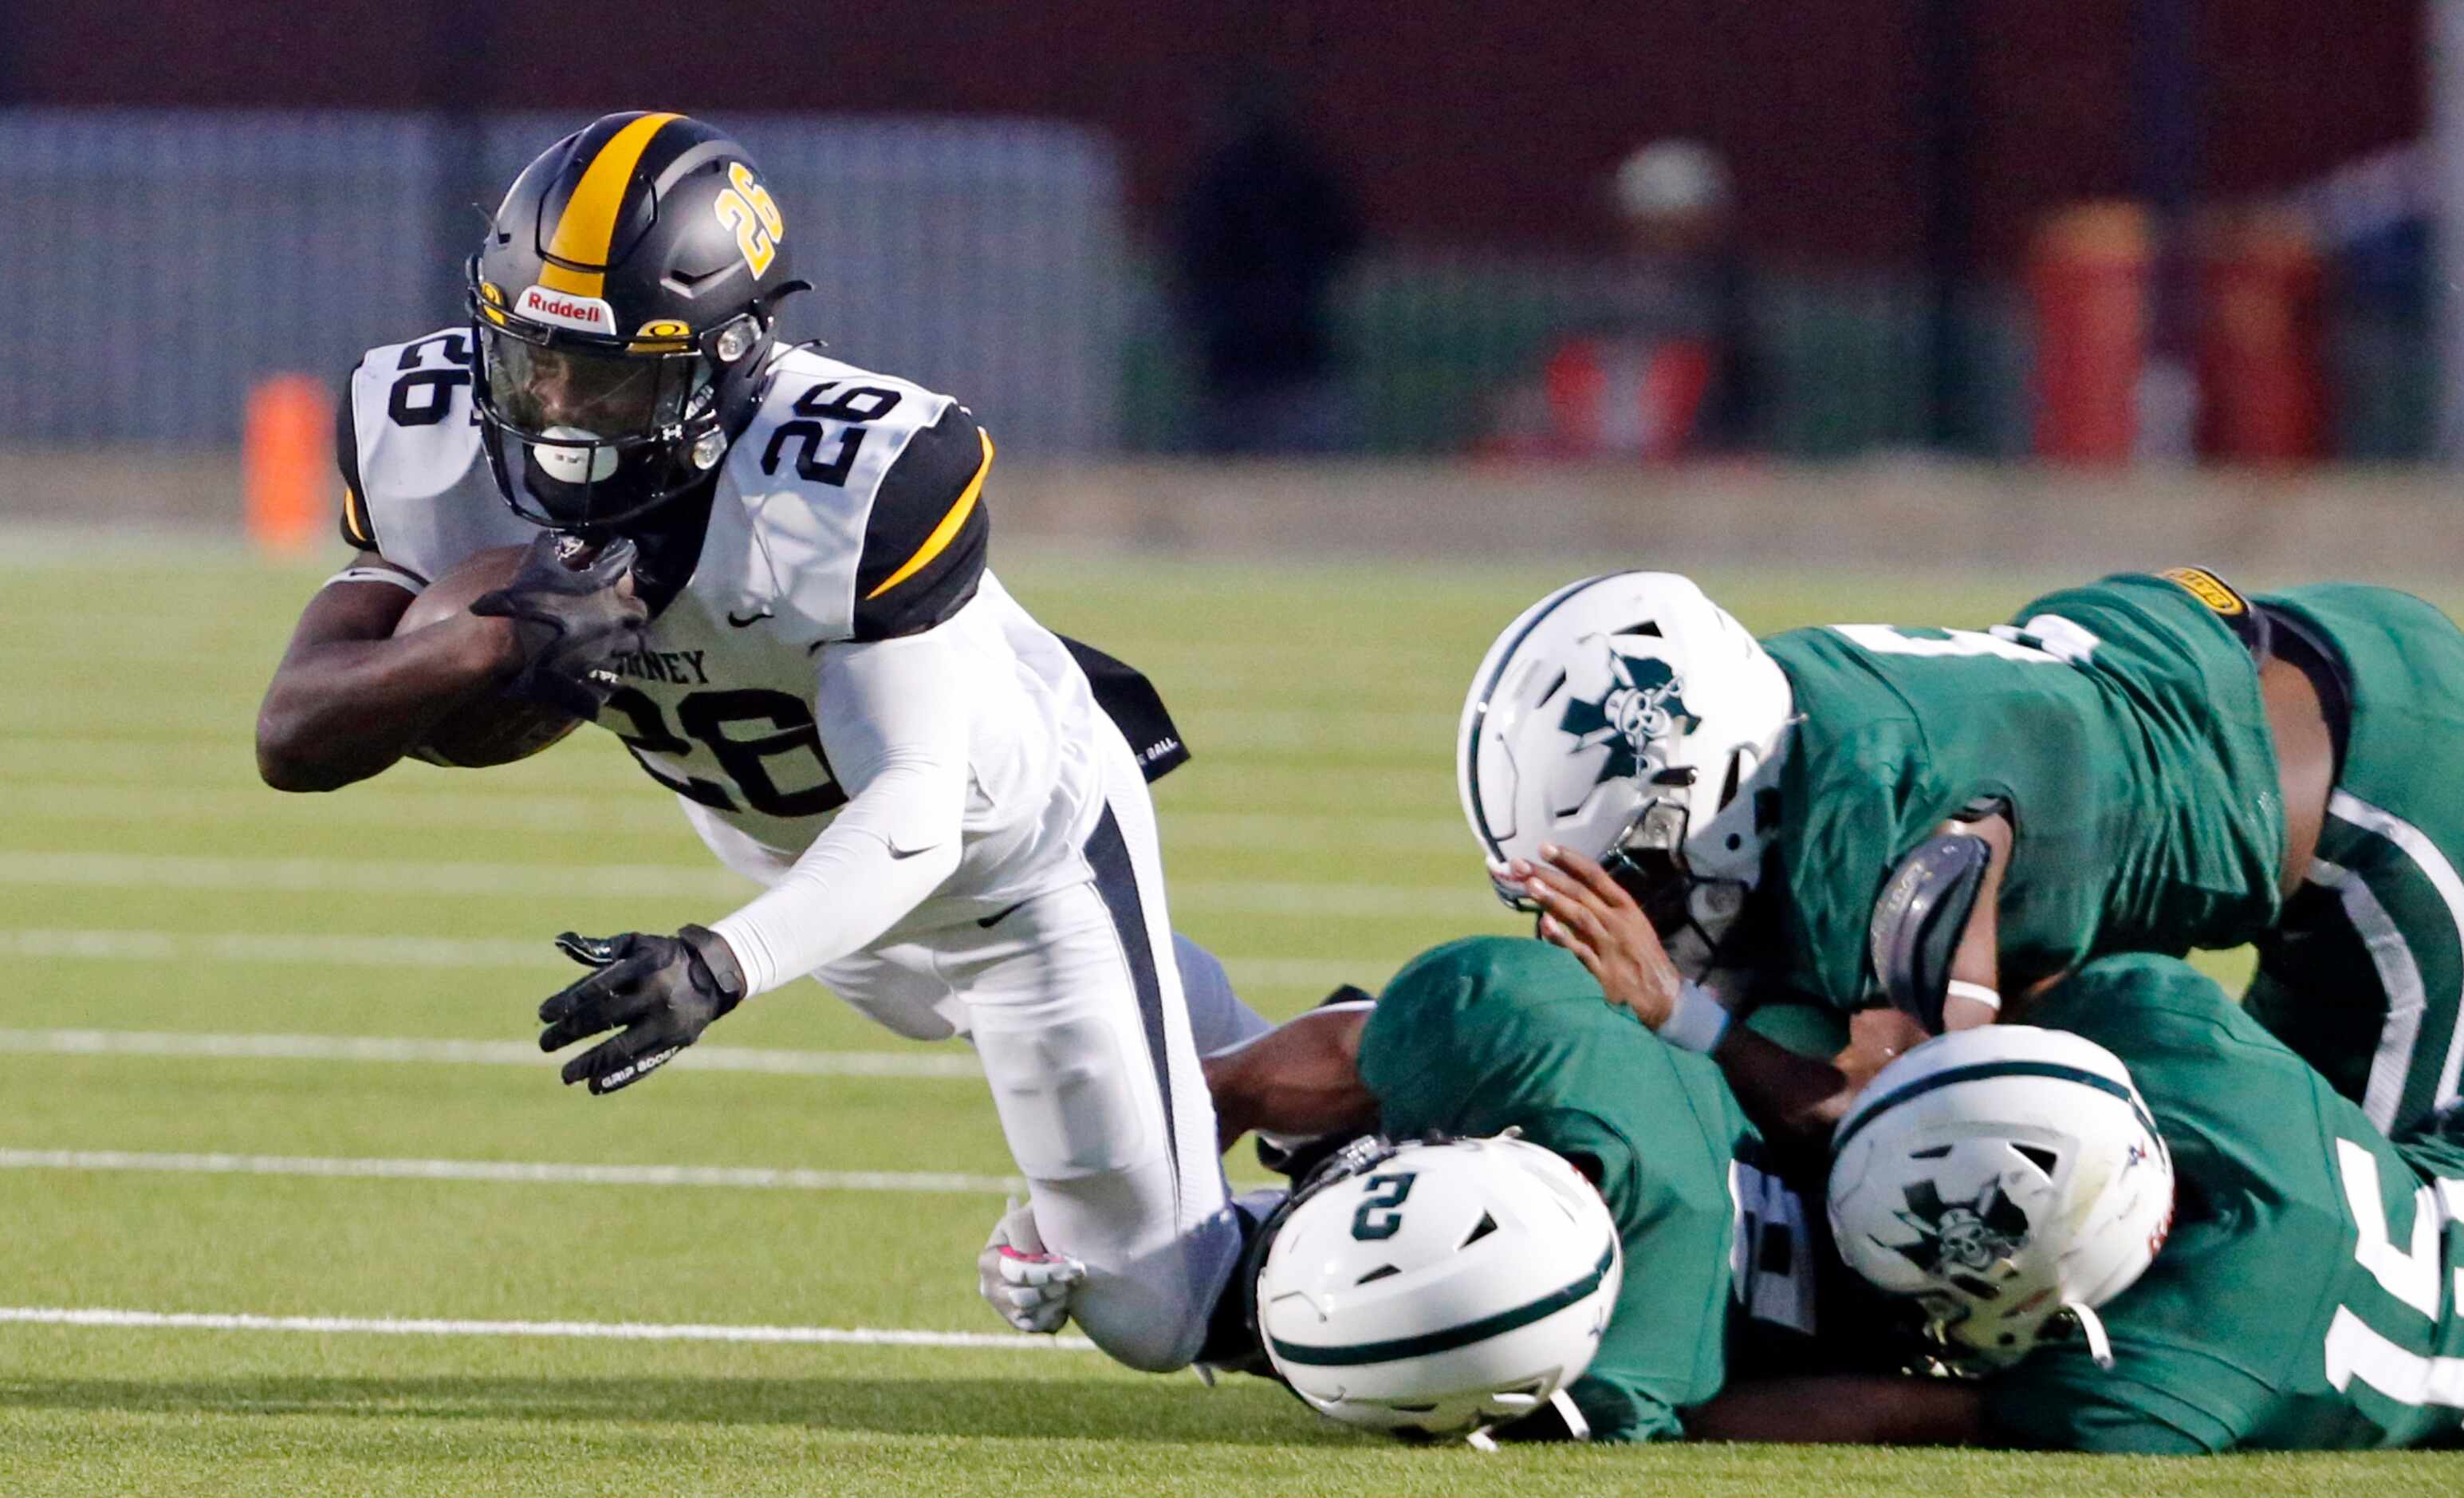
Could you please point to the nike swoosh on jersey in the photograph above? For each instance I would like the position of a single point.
(997, 918)
(742, 624)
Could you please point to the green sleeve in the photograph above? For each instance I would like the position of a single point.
(1845, 830)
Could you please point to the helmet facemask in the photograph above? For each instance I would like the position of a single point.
(607, 430)
(1695, 910)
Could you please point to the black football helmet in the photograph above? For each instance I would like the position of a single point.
(623, 306)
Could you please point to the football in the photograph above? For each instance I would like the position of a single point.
(494, 729)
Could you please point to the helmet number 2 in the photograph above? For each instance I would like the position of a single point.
(745, 206)
(1379, 1216)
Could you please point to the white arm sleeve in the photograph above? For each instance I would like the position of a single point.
(894, 720)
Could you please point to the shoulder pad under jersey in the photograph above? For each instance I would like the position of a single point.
(869, 492)
(416, 484)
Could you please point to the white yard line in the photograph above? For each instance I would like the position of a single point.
(399, 878)
(323, 949)
(530, 1173)
(332, 949)
(158, 805)
(602, 1330)
(954, 1064)
(1355, 733)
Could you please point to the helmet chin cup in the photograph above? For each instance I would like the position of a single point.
(572, 457)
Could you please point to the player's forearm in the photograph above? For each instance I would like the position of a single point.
(1844, 1410)
(1299, 1078)
(1794, 1099)
(877, 862)
(339, 710)
(894, 717)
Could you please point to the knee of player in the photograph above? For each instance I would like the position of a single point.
(1138, 1327)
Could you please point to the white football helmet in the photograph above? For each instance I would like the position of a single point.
(1441, 1289)
(2002, 1176)
(1634, 720)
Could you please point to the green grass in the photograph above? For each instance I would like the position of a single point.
(1316, 839)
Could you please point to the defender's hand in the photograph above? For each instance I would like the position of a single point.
(1590, 915)
(1028, 1284)
(661, 992)
(569, 621)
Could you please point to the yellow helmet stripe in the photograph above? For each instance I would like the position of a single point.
(588, 226)
(948, 530)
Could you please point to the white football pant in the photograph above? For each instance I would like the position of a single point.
(1076, 1004)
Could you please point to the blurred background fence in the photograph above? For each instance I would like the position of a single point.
(2117, 229)
(162, 262)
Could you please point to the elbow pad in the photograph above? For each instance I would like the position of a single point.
(1918, 923)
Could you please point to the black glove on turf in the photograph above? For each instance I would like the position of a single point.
(570, 623)
(660, 992)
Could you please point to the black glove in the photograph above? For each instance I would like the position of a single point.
(570, 623)
(661, 992)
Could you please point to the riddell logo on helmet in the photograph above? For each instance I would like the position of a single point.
(565, 310)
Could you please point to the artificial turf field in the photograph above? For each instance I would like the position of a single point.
(268, 1071)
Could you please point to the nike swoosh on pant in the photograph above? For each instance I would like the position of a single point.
(995, 920)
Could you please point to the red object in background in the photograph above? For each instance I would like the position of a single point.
(1611, 397)
(2263, 392)
(2088, 282)
(287, 462)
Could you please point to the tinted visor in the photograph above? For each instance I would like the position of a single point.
(577, 391)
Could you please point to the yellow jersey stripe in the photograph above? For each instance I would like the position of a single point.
(354, 518)
(948, 530)
(587, 227)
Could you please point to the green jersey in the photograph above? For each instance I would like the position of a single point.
(2308, 1297)
(1721, 1257)
(2120, 724)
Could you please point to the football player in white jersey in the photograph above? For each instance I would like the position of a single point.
(764, 570)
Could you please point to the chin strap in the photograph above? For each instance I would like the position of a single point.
(2099, 1346)
(1557, 1420)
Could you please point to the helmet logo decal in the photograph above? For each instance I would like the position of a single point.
(1965, 1235)
(564, 310)
(1645, 702)
(747, 208)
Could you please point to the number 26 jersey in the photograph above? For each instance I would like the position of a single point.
(849, 510)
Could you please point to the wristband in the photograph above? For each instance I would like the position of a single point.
(1958, 988)
(1698, 1022)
